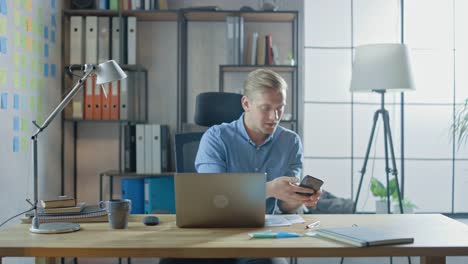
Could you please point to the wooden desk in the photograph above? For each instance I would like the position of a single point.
(435, 236)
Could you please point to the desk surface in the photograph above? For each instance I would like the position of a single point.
(434, 235)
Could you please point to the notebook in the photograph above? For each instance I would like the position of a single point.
(220, 199)
(364, 236)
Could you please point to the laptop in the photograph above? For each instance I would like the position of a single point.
(220, 199)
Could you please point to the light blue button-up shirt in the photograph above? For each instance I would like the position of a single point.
(228, 148)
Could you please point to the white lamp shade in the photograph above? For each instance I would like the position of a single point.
(109, 71)
(382, 67)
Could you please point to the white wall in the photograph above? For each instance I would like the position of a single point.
(335, 146)
(22, 74)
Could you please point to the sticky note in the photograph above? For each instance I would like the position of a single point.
(39, 67)
(3, 7)
(32, 84)
(46, 32)
(46, 70)
(29, 43)
(24, 144)
(52, 36)
(23, 61)
(23, 83)
(28, 24)
(32, 105)
(17, 59)
(46, 50)
(2, 76)
(16, 123)
(17, 3)
(39, 13)
(15, 144)
(39, 84)
(16, 80)
(3, 45)
(23, 41)
(4, 100)
(17, 39)
(53, 70)
(52, 3)
(16, 101)
(3, 25)
(24, 124)
(53, 20)
(23, 102)
(17, 18)
(39, 104)
(28, 5)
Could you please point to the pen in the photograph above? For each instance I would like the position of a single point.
(273, 235)
(314, 224)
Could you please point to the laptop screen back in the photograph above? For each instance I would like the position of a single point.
(220, 199)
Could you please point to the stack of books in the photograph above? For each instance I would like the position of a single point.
(66, 209)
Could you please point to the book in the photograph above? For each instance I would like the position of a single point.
(70, 209)
(364, 236)
(91, 213)
(60, 202)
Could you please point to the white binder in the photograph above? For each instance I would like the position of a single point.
(76, 40)
(116, 39)
(91, 38)
(103, 39)
(124, 97)
(148, 148)
(131, 40)
(156, 148)
(140, 148)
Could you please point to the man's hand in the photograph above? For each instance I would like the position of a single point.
(285, 189)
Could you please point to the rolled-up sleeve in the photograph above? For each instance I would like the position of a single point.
(211, 155)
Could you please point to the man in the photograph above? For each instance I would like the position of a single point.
(256, 143)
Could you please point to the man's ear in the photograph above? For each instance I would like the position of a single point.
(245, 103)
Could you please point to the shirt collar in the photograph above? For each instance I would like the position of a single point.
(241, 128)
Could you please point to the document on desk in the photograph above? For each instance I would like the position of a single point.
(283, 220)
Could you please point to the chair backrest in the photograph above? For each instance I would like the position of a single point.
(186, 147)
(211, 108)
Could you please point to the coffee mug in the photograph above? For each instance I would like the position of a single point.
(117, 211)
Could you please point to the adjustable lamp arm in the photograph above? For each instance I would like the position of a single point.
(88, 69)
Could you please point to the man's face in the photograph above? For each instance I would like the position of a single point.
(264, 111)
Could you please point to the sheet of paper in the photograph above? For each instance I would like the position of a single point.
(282, 220)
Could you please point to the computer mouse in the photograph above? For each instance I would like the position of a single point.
(150, 220)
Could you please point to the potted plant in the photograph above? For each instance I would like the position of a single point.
(379, 190)
(460, 125)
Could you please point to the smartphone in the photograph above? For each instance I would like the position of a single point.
(311, 183)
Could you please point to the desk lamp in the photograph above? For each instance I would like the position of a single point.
(382, 68)
(105, 72)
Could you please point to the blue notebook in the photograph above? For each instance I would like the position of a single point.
(364, 236)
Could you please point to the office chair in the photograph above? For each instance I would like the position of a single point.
(211, 108)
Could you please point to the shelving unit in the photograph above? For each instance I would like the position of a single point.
(256, 17)
(288, 20)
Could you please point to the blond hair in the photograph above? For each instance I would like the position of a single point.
(263, 79)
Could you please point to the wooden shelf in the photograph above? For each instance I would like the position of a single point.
(125, 67)
(252, 16)
(142, 15)
(249, 68)
(102, 121)
(117, 173)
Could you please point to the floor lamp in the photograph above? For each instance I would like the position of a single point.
(105, 72)
(382, 68)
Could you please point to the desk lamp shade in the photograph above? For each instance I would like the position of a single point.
(109, 71)
(382, 67)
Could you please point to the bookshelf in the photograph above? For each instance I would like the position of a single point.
(177, 89)
(282, 25)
